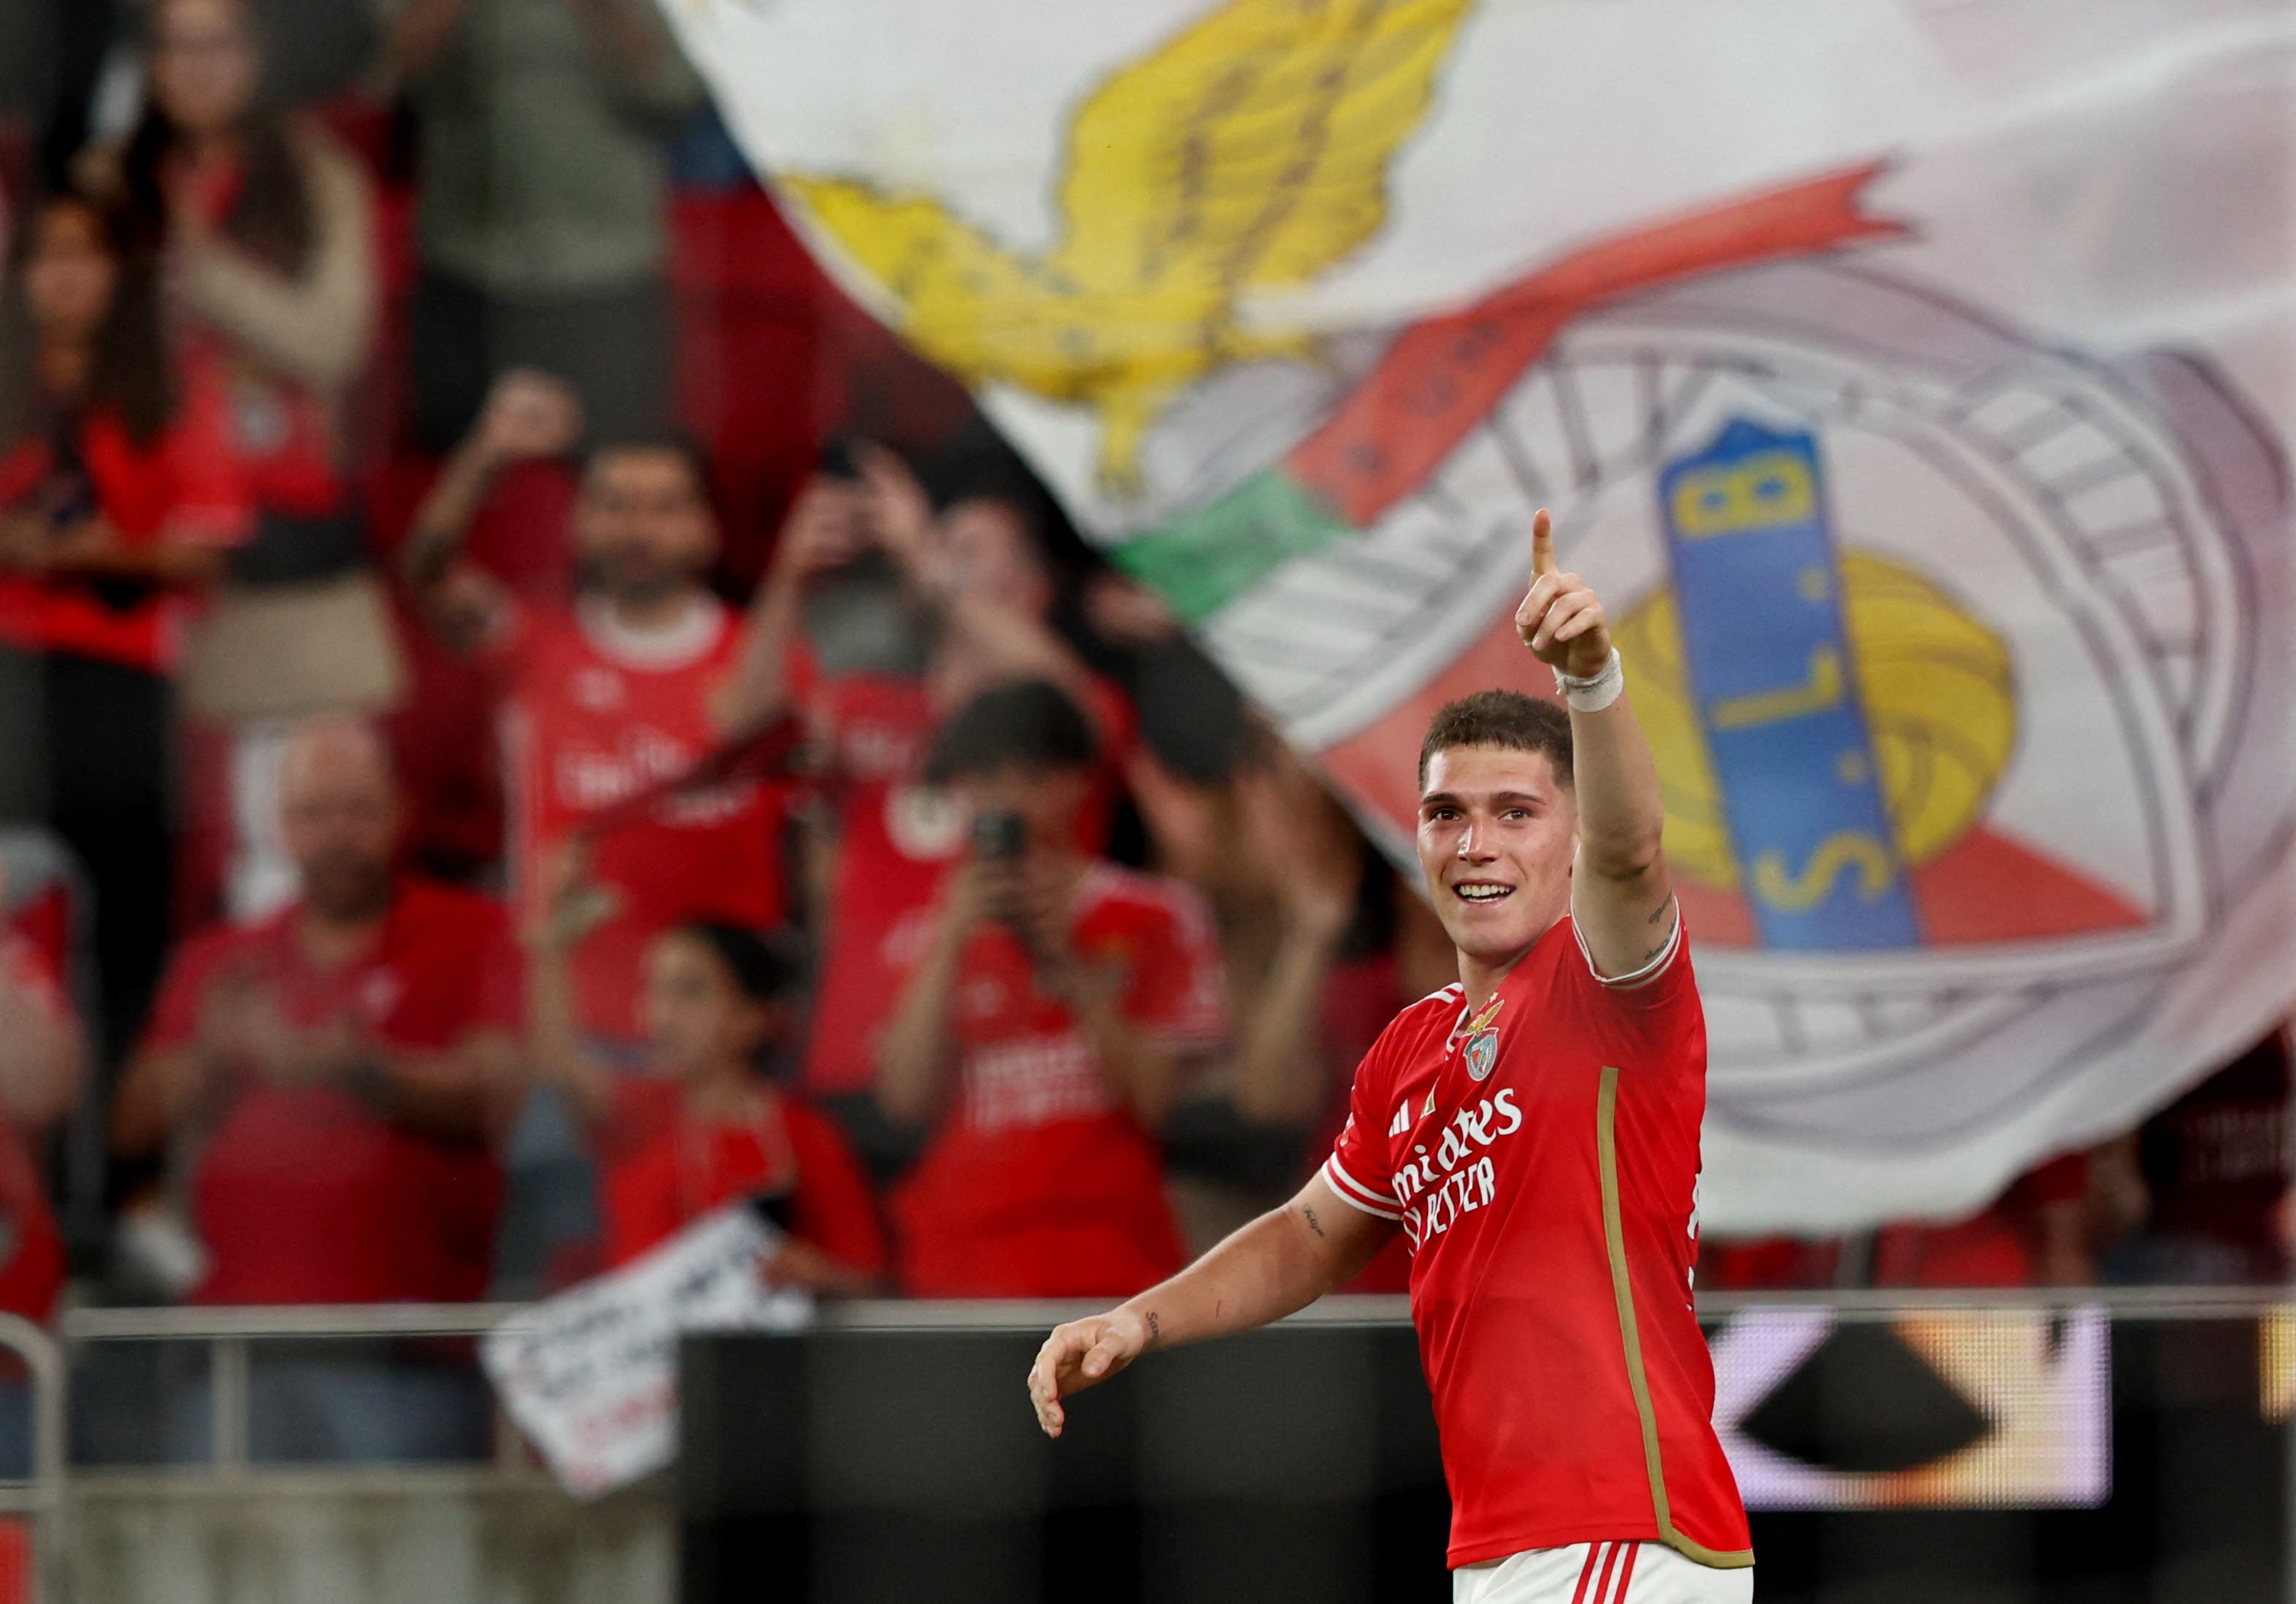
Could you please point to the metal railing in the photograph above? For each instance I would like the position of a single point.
(231, 1335)
(40, 1497)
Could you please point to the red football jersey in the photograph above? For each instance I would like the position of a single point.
(188, 484)
(896, 840)
(1038, 1183)
(302, 1193)
(594, 717)
(787, 1153)
(1542, 1157)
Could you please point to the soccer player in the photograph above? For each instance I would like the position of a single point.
(1533, 1132)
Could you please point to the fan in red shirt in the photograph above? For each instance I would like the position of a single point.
(704, 1126)
(346, 1064)
(1533, 1133)
(120, 494)
(1047, 1024)
(613, 697)
(983, 570)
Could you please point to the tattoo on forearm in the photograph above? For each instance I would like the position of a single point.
(1662, 907)
(1311, 1221)
(1155, 1331)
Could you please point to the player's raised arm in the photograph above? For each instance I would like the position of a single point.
(1276, 1265)
(1620, 892)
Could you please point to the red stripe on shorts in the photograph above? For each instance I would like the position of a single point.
(1603, 1585)
(1626, 1575)
(1585, 1571)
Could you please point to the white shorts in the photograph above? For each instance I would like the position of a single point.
(1600, 1573)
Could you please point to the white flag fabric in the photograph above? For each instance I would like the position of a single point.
(591, 1374)
(1910, 376)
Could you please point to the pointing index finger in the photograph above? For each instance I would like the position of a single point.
(1542, 544)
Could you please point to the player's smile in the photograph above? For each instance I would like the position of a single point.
(1481, 892)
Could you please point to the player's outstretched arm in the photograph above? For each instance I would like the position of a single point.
(1620, 893)
(1276, 1265)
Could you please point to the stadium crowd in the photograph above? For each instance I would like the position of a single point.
(523, 719)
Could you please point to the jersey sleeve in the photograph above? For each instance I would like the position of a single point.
(1361, 1168)
(1642, 1016)
(1175, 988)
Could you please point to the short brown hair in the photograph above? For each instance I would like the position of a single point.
(1503, 719)
(1030, 724)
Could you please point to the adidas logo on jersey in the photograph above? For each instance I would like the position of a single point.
(1401, 1123)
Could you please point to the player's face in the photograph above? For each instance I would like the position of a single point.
(697, 1019)
(644, 524)
(1496, 834)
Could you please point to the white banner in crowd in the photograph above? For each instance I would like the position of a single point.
(591, 1376)
(1910, 375)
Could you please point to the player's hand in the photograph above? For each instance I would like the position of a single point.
(1562, 619)
(1082, 1353)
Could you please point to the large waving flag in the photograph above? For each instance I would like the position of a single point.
(1911, 376)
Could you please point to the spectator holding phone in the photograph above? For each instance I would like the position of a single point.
(707, 1124)
(979, 573)
(1046, 1028)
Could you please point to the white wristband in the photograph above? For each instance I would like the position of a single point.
(1595, 692)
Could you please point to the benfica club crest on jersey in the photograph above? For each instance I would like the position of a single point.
(1482, 1048)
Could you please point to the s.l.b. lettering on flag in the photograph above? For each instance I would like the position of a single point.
(1768, 658)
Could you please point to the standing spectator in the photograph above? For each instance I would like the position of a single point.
(602, 701)
(1282, 867)
(708, 1124)
(541, 218)
(610, 698)
(1047, 1027)
(120, 495)
(347, 1063)
(268, 227)
(981, 574)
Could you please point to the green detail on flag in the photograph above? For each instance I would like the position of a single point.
(1201, 562)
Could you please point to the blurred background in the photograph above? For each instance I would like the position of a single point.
(549, 692)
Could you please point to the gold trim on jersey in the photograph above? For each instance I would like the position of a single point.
(1614, 1239)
